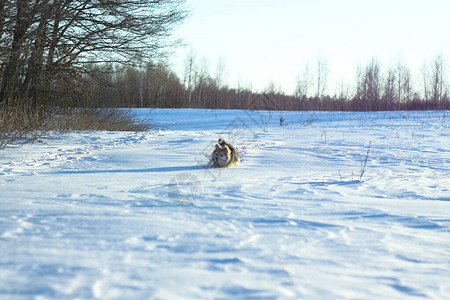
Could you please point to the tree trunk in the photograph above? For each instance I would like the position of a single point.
(11, 80)
(2, 17)
(34, 75)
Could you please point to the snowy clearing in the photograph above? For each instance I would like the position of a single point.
(138, 216)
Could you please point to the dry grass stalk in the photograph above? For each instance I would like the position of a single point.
(363, 166)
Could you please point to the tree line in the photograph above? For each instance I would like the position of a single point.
(107, 53)
(156, 85)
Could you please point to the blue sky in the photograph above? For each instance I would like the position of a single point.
(272, 40)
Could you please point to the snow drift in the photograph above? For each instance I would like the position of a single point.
(138, 215)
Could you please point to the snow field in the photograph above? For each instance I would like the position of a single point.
(138, 215)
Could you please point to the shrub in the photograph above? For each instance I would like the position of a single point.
(84, 119)
(21, 125)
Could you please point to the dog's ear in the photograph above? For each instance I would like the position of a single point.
(218, 147)
(221, 141)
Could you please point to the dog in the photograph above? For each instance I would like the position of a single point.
(224, 155)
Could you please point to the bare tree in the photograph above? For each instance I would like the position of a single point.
(369, 84)
(271, 88)
(219, 81)
(190, 74)
(3, 17)
(403, 83)
(242, 95)
(158, 78)
(303, 83)
(437, 84)
(50, 42)
(389, 95)
(322, 76)
(15, 50)
(342, 90)
(202, 78)
(425, 82)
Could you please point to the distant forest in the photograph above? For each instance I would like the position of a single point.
(156, 86)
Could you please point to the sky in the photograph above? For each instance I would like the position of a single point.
(271, 41)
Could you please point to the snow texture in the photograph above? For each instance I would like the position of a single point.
(113, 215)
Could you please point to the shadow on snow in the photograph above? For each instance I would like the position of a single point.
(148, 170)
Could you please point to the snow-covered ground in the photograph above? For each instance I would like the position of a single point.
(139, 216)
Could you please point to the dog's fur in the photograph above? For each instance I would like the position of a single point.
(224, 155)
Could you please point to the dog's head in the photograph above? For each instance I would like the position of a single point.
(221, 155)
